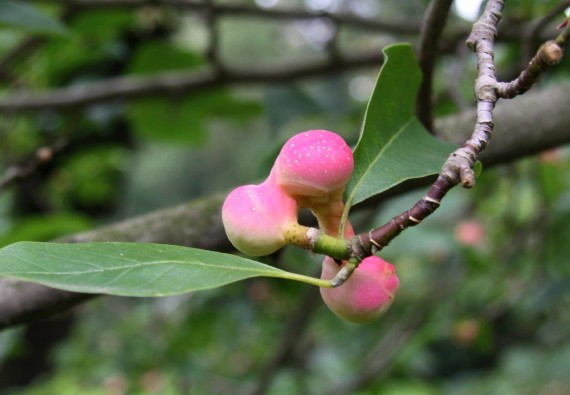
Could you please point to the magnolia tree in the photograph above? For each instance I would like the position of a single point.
(143, 77)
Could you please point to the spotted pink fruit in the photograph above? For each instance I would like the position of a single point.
(314, 163)
(366, 295)
(256, 217)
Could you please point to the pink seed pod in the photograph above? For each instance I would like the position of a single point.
(256, 217)
(366, 295)
(314, 163)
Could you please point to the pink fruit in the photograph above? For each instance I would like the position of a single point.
(314, 163)
(469, 233)
(256, 217)
(366, 295)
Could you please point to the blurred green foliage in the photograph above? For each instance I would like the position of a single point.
(485, 296)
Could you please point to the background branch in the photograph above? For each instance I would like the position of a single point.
(179, 83)
(241, 10)
(431, 31)
(174, 84)
(42, 156)
(536, 27)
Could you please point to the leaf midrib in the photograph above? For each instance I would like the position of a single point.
(146, 264)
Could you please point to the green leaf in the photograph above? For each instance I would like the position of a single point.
(393, 145)
(131, 269)
(28, 17)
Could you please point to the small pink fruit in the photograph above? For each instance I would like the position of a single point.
(469, 233)
(366, 295)
(256, 217)
(314, 163)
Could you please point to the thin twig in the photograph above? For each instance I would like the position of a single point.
(531, 34)
(549, 54)
(432, 28)
(42, 156)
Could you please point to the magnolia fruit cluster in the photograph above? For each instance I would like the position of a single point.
(311, 171)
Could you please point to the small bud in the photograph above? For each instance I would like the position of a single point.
(256, 218)
(551, 52)
(314, 163)
(366, 295)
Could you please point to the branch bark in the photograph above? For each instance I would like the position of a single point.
(535, 122)
(174, 84)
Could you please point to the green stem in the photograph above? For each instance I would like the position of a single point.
(345, 273)
(302, 278)
(331, 246)
(318, 242)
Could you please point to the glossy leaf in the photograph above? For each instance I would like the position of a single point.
(393, 145)
(25, 16)
(130, 269)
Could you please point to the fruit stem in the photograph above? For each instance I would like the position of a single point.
(304, 279)
(345, 273)
(332, 246)
(318, 242)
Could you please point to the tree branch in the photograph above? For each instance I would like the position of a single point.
(241, 10)
(174, 83)
(535, 28)
(535, 122)
(459, 166)
(432, 28)
(549, 54)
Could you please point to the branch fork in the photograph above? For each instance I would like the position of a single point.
(458, 168)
